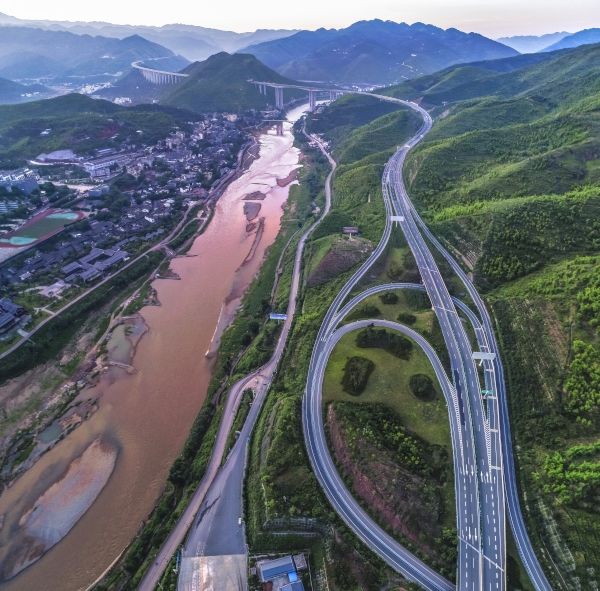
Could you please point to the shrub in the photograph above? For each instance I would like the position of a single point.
(422, 387)
(356, 375)
(392, 343)
(389, 298)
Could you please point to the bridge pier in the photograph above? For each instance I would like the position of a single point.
(279, 97)
(312, 100)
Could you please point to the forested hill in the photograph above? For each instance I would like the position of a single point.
(220, 83)
(79, 123)
(509, 177)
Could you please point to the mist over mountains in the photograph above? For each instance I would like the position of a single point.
(195, 43)
(29, 53)
(96, 57)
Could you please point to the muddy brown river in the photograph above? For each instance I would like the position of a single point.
(143, 417)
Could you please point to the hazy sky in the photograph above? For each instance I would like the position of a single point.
(494, 18)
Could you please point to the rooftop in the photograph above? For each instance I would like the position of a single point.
(271, 569)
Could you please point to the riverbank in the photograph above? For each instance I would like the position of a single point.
(55, 386)
(148, 412)
(189, 467)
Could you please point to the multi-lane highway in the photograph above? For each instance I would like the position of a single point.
(494, 379)
(482, 562)
(484, 446)
(476, 425)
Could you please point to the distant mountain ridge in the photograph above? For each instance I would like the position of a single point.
(532, 43)
(30, 53)
(374, 52)
(193, 42)
(584, 37)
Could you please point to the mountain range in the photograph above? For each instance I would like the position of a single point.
(548, 78)
(31, 53)
(193, 42)
(532, 43)
(374, 52)
(584, 37)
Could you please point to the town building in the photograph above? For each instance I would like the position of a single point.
(280, 574)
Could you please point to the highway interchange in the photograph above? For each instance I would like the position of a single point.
(479, 426)
(480, 430)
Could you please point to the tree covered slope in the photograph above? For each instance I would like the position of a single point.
(79, 123)
(510, 177)
(220, 83)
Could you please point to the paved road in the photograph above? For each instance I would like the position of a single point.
(218, 527)
(495, 382)
(342, 500)
(481, 520)
(477, 457)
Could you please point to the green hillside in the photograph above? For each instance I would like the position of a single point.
(532, 132)
(510, 177)
(220, 83)
(347, 113)
(79, 123)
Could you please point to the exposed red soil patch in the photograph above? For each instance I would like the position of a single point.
(343, 255)
(393, 494)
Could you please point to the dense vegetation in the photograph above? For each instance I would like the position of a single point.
(398, 475)
(361, 150)
(351, 111)
(220, 83)
(388, 341)
(356, 374)
(422, 387)
(510, 177)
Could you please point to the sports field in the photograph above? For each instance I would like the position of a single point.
(39, 228)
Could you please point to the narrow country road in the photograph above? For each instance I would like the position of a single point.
(229, 477)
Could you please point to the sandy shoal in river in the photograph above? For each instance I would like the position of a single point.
(56, 511)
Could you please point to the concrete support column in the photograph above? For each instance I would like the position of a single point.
(312, 100)
(279, 128)
(279, 97)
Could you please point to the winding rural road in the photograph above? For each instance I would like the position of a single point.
(213, 514)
